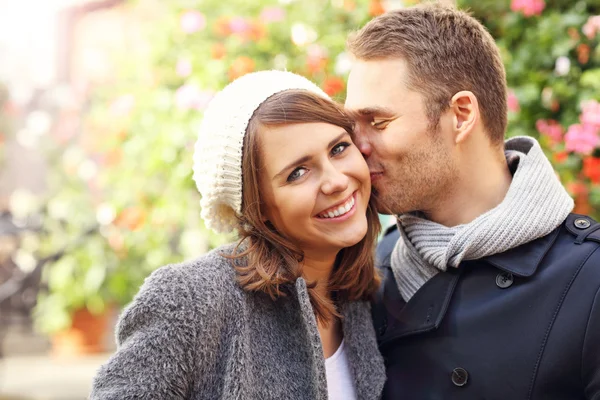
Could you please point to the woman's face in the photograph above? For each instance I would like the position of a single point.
(315, 186)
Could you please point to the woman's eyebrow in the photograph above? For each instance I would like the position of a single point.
(304, 159)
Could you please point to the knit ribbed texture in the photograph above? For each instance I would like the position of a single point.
(536, 203)
(218, 151)
(193, 333)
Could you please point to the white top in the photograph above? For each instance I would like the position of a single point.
(339, 378)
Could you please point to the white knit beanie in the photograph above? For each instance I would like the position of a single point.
(218, 151)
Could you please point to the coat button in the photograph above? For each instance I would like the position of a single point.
(582, 223)
(504, 280)
(460, 376)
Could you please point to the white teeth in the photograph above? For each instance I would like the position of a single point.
(341, 210)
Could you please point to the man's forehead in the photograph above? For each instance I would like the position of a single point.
(377, 88)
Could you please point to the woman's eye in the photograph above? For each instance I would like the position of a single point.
(380, 124)
(296, 174)
(339, 148)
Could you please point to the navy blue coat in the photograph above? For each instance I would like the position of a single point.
(524, 324)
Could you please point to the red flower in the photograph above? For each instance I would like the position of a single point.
(576, 188)
(218, 51)
(583, 53)
(512, 102)
(528, 7)
(591, 168)
(222, 26)
(349, 5)
(131, 218)
(560, 157)
(376, 8)
(241, 66)
(113, 157)
(551, 129)
(10, 109)
(333, 85)
(316, 60)
(257, 31)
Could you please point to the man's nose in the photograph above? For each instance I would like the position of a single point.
(362, 142)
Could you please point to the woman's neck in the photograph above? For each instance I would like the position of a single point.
(318, 269)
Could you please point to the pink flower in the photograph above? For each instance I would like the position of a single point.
(184, 67)
(550, 128)
(272, 14)
(592, 26)
(590, 113)
(192, 21)
(122, 106)
(239, 25)
(582, 138)
(512, 102)
(528, 7)
(190, 97)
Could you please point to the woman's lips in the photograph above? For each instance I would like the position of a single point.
(346, 215)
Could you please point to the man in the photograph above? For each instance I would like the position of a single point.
(492, 286)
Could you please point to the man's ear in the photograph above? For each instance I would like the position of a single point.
(465, 112)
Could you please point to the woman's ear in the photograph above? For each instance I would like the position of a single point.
(465, 110)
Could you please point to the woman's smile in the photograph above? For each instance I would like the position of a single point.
(341, 211)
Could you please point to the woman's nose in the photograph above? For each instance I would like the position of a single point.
(334, 181)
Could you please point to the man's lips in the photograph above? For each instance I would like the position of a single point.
(375, 175)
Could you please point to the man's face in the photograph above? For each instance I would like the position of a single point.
(411, 166)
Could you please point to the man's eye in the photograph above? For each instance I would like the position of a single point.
(380, 124)
(296, 174)
(339, 148)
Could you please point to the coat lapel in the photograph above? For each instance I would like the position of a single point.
(366, 363)
(310, 324)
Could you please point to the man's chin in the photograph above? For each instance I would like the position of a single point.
(382, 206)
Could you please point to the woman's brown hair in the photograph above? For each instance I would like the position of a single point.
(273, 261)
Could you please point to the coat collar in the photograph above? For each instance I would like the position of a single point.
(524, 260)
(424, 313)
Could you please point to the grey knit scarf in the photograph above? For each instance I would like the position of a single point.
(536, 203)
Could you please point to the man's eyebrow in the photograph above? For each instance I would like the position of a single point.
(373, 111)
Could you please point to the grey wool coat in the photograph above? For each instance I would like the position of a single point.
(193, 333)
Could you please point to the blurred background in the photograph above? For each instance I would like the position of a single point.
(99, 105)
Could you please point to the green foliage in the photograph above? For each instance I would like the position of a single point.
(129, 174)
(552, 67)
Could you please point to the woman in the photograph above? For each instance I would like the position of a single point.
(282, 314)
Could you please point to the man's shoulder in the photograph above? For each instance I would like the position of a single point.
(580, 236)
(386, 245)
(578, 229)
(584, 235)
(583, 228)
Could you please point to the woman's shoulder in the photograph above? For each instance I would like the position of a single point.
(210, 277)
(213, 264)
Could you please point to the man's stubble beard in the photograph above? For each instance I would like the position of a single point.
(419, 182)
